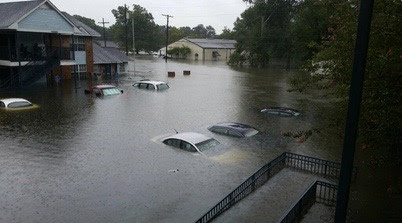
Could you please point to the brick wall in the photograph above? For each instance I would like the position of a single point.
(89, 54)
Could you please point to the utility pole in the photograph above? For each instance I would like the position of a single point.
(104, 32)
(133, 43)
(167, 34)
(352, 118)
(125, 24)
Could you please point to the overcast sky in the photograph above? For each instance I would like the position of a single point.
(217, 13)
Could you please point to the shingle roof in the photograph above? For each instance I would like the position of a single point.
(108, 55)
(81, 25)
(10, 12)
(213, 43)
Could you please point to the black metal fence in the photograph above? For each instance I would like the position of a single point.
(322, 167)
(320, 192)
(317, 166)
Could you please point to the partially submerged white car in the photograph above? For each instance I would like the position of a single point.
(13, 103)
(191, 141)
(151, 85)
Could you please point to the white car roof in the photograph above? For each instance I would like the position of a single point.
(151, 82)
(191, 137)
(7, 101)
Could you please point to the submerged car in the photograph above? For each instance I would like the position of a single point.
(281, 111)
(104, 90)
(12, 103)
(151, 85)
(191, 141)
(233, 129)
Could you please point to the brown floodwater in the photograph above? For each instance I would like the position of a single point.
(78, 158)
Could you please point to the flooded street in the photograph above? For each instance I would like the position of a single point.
(79, 158)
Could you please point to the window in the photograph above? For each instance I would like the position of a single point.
(110, 91)
(187, 146)
(122, 68)
(2, 104)
(143, 86)
(207, 144)
(81, 70)
(151, 87)
(220, 130)
(79, 43)
(19, 104)
(162, 86)
(235, 133)
(173, 142)
(136, 84)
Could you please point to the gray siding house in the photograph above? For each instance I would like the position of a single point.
(39, 42)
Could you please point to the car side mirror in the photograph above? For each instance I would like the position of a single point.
(86, 91)
(98, 94)
(121, 91)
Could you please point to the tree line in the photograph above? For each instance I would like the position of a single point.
(149, 36)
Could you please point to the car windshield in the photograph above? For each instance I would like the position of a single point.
(110, 91)
(163, 86)
(207, 144)
(19, 104)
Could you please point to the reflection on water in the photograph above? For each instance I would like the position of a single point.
(79, 158)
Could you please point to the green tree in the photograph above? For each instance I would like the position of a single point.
(199, 31)
(262, 32)
(91, 23)
(147, 33)
(180, 52)
(380, 121)
(226, 34)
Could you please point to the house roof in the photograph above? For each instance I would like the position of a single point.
(107, 55)
(82, 25)
(108, 43)
(213, 43)
(11, 12)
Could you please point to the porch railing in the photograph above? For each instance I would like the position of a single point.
(320, 192)
(313, 165)
(63, 53)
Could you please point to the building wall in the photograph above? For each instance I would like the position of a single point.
(45, 20)
(194, 49)
(224, 54)
(203, 54)
(89, 54)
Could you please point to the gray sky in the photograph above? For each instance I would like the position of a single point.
(217, 13)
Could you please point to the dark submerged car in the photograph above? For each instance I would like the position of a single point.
(281, 111)
(233, 129)
(104, 90)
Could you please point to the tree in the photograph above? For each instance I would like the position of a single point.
(380, 119)
(262, 32)
(91, 23)
(210, 32)
(226, 34)
(200, 31)
(147, 33)
(180, 52)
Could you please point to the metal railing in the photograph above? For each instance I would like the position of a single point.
(317, 166)
(320, 192)
(313, 165)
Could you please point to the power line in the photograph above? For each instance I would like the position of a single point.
(104, 31)
(167, 34)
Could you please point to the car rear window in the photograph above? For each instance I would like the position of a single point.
(19, 104)
(110, 91)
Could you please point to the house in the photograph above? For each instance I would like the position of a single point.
(204, 49)
(39, 42)
(108, 60)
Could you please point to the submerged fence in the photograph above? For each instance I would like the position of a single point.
(320, 192)
(313, 165)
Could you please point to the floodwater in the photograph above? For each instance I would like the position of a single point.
(79, 158)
